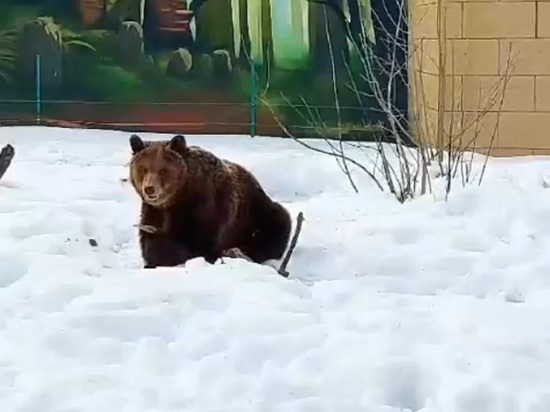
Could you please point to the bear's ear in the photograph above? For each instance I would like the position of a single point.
(178, 144)
(136, 144)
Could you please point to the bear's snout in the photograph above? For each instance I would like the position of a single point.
(149, 191)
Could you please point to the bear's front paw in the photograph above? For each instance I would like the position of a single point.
(159, 251)
(235, 253)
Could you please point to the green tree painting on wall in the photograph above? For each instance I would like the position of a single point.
(8, 55)
(184, 51)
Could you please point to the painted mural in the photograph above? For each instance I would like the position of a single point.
(178, 65)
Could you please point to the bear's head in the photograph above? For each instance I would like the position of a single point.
(158, 169)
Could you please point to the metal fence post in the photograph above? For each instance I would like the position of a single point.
(38, 89)
(252, 98)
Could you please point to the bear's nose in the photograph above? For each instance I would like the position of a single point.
(149, 190)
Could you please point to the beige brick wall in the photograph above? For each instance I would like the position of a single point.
(480, 34)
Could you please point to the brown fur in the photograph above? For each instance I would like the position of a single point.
(202, 205)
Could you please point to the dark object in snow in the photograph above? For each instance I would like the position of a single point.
(195, 204)
(6, 156)
(282, 269)
(93, 242)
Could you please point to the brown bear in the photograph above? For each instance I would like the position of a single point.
(195, 204)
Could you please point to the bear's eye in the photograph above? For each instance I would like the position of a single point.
(162, 172)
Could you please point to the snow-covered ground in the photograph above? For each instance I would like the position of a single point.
(429, 306)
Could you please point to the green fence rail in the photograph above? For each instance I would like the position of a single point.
(200, 117)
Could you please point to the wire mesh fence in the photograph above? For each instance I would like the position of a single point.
(185, 117)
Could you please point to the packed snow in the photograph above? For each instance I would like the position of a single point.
(429, 306)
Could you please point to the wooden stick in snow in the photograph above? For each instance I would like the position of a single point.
(282, 269)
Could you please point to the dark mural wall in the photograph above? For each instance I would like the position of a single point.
(195, 66)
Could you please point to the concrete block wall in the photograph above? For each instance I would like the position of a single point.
(480, 35)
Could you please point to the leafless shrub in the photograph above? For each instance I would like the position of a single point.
(410, 151)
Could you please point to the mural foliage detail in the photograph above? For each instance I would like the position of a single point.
(193, 62)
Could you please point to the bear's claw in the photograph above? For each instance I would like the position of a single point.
(148, 229)
(235, 253)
